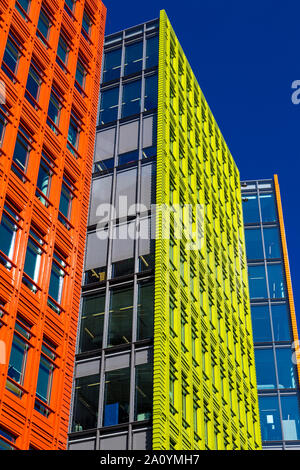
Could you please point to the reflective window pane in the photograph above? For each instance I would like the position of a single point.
(86, 403)
(43, 389)
(281, 322)
(7, 235)
(109, 105)
(272, 243)
(269, 418)
(145, 311)
(152, 52)
(276, 281)
(17, 360)
(133, 58)
(268, 210)
(120, 317)
(131, 102)
(265, 369)
(261, 323)
(250, 209)
(286, 369)
(117, 395)
(112, 65)
(151, 90)
(254, 247)
(257, 282)
(92, 322)
(290, 417)
(143, 392)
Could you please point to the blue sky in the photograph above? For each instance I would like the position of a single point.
(245, 56)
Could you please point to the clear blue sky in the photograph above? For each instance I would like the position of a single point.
(245, 56)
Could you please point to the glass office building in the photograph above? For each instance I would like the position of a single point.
(165, 356)
(273, 315)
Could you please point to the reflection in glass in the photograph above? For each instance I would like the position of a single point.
(112, 65)
(145, 312)
(250, 208)
(286, 369)
(86, 403)
(261, 323)
(143, 392)
(269, 418)
(109, 105)
(117, 397)
(131, 103)
(290, 417)
(152, 52)
(254, 247)
(257, 282)
(133, 58)
(268, 210)
(92, 322)
(120, 317)
(272, 244)
(151, 90)
(276, 282)
(281, 322)
(265, 369)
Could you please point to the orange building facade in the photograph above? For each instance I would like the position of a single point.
(50, 58)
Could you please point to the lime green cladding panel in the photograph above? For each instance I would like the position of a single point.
(205, 394)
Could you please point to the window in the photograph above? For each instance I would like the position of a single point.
(287, 374)
(45, 377)
(54, 110)
(86, 403)
(261, 323)
(86, 24)
(270, 418)
(109, 105)
(81, 74)
(44, 26)
(133, 58)
(128, 143)
(265, 369)
(23, 6)
(44, 179)
(125, 188)
(96, 259)
(145, 311)
(254, 246)
(70, 5)
(11, 56)
(34, 82)
(21, 152)
(74, 133)
(8, 230)
(250, 209)
(290, 417)
(62, 52)
(276, 281)
(120, 317)
(123, 249)
(112, 65)
(143, 392)
(92, 322)
(33, 260)
(56, 281)
(272, 243)
(18, 357)
(131, 102)
(172, 380)
(7, 440)
(268, 209)
(152, 52)
(281, 322)
(3, 122)
(66, 198)
(117, 396)
(151, 90)
(257, 282)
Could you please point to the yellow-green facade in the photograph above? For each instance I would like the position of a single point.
(204, 394)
